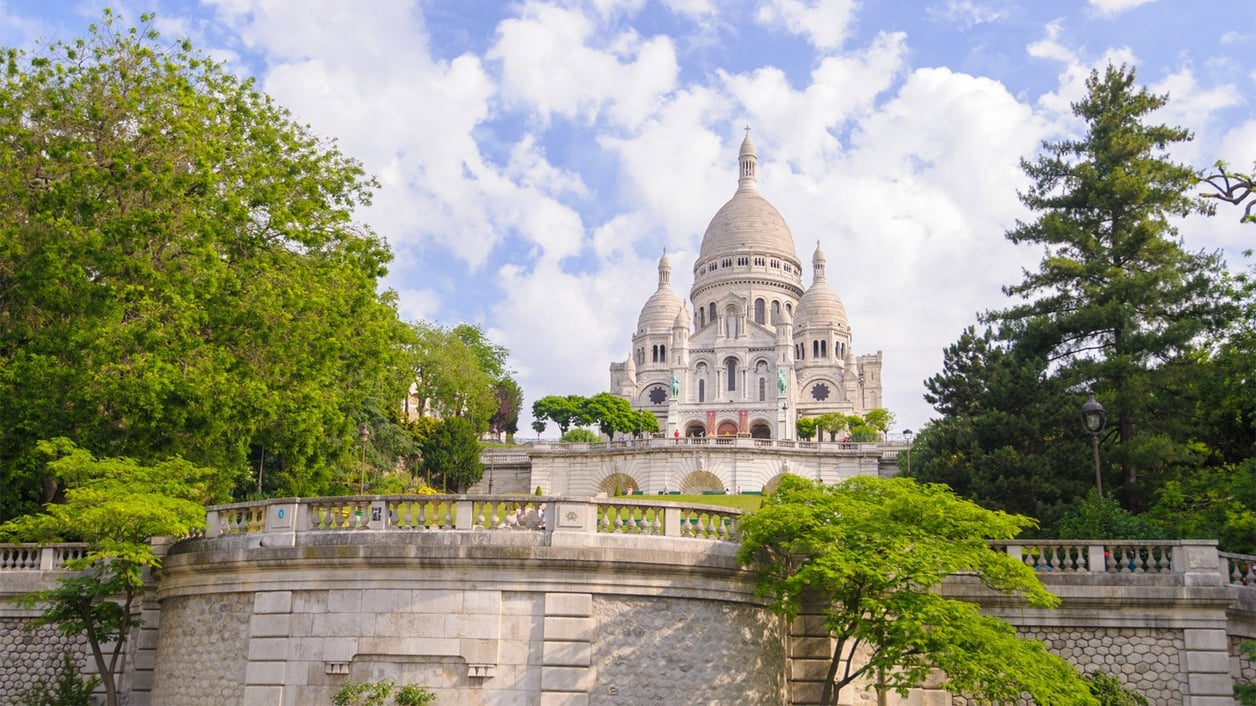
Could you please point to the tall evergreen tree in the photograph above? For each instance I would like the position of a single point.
(1116, 297)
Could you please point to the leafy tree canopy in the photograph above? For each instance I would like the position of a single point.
(180, 268)
(870, 552)
(116, 505)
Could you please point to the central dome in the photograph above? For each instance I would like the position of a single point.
(747, 222)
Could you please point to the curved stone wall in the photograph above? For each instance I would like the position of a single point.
(480, 617)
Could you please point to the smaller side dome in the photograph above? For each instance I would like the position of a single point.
(662, 308)
(820, 305)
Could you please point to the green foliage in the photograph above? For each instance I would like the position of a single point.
(806, 427)
(832, 423)
(581, 436)
(452, 454)
(116, 505)
(1215, 503)
(182, 274)
(880, 419)
(861, 431)
(563, 411)
(1117, 299)
(538, 491)
(1102, 517)
(1110, 692)
(378, 693)
(1246, 693)
(449, 376)
(69, 689)
(870, 553)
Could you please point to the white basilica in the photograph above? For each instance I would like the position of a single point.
(758, 351)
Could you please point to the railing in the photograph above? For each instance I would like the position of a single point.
(1240, 569)
(32, 557)
(740, 442)
(434, 513)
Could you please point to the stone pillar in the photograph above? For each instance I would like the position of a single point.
(809, 651)
(566, 663)
(1207, 664)
(269, 629)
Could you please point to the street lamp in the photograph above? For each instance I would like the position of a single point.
(1093, 418)
(364, 435)
(907, 435)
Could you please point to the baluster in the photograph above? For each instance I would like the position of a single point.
(422, 519)
(494, 517)
(449, 515)
(479, 517)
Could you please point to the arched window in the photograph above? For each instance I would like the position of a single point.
(824, 349)
(815, 349)
(763, 389)
(711, 315)
(662, 354)
(701, 390)
(654, 354)
(776, 312)
(701, 318)
(731, 369)
(790, 308)
(758, 311)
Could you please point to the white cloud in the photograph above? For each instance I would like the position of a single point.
(824, 23)
(549, 66)
(1112, 8)
(966, 13)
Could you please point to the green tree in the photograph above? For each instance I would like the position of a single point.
(579, 435)
(116, 506)
(451, 452)
(448, 378)
(181, 271)
(563, 411)
(1102, 517)
(1002, 435)
(645, 423)
(1116, 296)
(871, 552)
(611, 413)
(880, 419)
(833, 423)
(807, 428)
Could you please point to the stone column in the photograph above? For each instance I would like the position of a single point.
(269, 631)
(566, 673)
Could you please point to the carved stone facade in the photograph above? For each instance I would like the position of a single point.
(758, 350)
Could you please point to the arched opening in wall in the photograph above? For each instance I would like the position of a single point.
(774, 481)
(662, 354)
(776, 312)
(701, 390)
(695, 430)
(701, 318)
(698, 481)
(730, 370)
(759, 306)
(761, 430)
(726, 428)
(654, 354)
(620, 483)
(711, 312)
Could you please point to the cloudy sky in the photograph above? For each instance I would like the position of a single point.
(535, 158)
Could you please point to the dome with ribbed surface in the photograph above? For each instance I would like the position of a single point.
(819, 305)
(747, 222)
(661, 309)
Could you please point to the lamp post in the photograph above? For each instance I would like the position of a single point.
(364, 435)
(907, 435)
(1093, 418)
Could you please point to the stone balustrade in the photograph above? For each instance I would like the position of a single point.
(435, 513)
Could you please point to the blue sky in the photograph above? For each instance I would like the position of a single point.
(535, 158)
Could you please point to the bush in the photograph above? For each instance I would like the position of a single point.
(1102, 517)
(356, 693)
(581, 435)
(1110, 692)
(68, 690)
